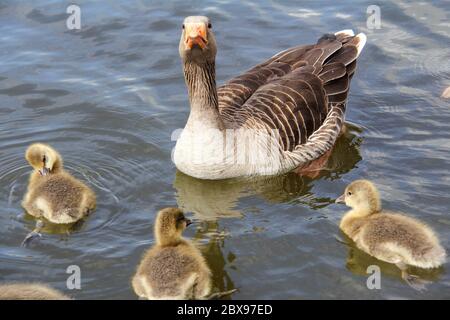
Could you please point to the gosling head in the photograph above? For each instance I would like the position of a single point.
(43, 158)
(170, 224)
(197, 43)
(361, 195)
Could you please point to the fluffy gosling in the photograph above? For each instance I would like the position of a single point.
(387, 236)
(30, 291)
(174, 268)
(52, 192)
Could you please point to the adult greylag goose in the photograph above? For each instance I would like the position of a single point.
(277, 116)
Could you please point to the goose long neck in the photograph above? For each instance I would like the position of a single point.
(201, 83)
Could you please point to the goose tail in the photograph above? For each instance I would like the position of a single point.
(436, 256)
(348, 35)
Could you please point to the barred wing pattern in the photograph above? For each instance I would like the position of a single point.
(301, 92)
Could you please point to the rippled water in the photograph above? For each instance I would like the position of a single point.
(109, 96)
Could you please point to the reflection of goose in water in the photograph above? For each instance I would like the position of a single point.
(358, 261)
(212, 199)
(214, 255)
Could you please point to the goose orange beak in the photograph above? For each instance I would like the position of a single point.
(195, 34)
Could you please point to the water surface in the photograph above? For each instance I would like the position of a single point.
(109, 96)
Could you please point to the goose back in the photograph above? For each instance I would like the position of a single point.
(296, 92)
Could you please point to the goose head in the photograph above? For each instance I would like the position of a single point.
(169, 226)
(43, 158)
(197, 43)
(362, 196)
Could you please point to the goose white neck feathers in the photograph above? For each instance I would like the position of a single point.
(280, 114)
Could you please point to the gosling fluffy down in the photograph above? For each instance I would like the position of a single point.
(391, 237)
(174, 268)
(52, 192)
(29, 291)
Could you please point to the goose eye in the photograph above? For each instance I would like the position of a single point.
(209, 25)
(183, 26)
(349, 193)
(44, 159)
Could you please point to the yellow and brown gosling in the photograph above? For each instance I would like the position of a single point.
(388, 236)
(30, 291)
(52, 192)
(173, 268)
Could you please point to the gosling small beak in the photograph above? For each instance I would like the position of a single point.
(44, 171)
(341, 199)
(188, 222)
(195, 34)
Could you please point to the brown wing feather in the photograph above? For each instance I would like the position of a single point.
(294, 90)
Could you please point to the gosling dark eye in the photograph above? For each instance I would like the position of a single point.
(349, 193)
(44, 159)
(209, 25)
(183, 26)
